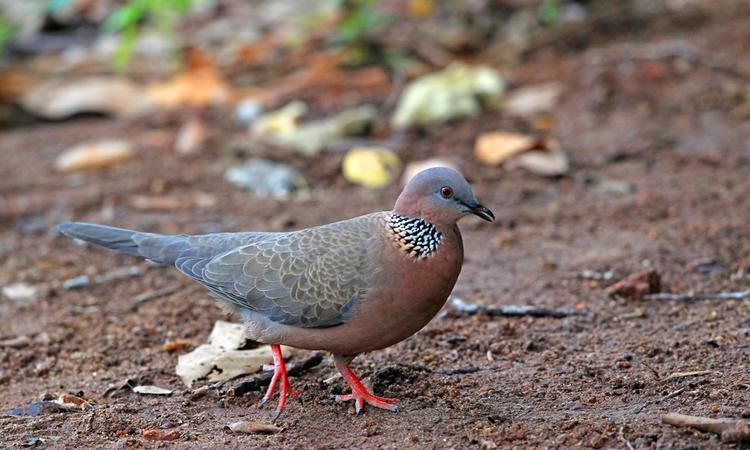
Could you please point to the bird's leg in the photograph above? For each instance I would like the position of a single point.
(359, 394)
(279, 374)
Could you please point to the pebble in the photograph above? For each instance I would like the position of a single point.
(265, 178)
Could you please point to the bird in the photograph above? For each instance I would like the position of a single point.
(346, 287)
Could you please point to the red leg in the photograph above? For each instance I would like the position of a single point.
(279, 375)
(359, 394)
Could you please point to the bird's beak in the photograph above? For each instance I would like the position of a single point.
(478, 209)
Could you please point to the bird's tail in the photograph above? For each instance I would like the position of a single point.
(159, 248)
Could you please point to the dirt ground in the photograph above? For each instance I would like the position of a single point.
(673, 126)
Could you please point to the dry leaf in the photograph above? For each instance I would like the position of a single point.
(60, 99)
(372, 167)
(151, 390)
(496, 147)
(201, 84)
(72, 402)
(249, 427)
(546, 159)
(96, 154)
(171, 346)
(532, 100)
(191, 138)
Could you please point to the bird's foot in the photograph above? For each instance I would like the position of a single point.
(360, 394)
(279, 378)
(365, 397)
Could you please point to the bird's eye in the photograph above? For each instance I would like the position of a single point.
(446, 192)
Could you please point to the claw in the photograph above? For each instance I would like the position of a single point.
(280, 378)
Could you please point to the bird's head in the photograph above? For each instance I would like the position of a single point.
(440, 195)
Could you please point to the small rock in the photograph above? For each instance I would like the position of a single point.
(415, 167)
(34, 409)
(246, 111)
(265, 178)
(155, 434)
(529, 101)
(151, 390)
(95, 154)
(608, 186)
(219, 359)
(32, 441)
(20, 292)
(373, 167)
(636, 285)
(191, 138)
(249, 427)
(16, 342)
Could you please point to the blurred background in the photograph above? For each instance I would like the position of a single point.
(610, 137)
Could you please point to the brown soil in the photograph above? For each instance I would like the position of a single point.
(675, 127)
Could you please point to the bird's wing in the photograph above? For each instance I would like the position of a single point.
(308, 278)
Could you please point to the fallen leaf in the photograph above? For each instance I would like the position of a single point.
(112, 96)
(514, 150)
(201, 84)
(529, 101)
(191, 138)
(155, 434)
(151, 390)
(498, 146)
(546, 159)
(171, 346)
(249, 427)
(71, 401)
(95, 154)
(281, 122)
(458, 90)
(312, 137)
(373, 167)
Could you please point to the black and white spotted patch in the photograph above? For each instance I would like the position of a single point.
(414, 235)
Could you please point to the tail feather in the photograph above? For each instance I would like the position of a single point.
(162, 249)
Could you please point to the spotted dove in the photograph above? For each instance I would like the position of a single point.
(348, 287)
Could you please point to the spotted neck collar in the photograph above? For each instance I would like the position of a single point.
(414, 235)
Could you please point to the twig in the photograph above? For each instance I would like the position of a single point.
(693, 373)
(260, 380)
(456, 371)
(739, 295)
(469, 309)
(82, 281)
(674, 393)
(730, 430)
(621, 435)
(655, 372)
(146, 297)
